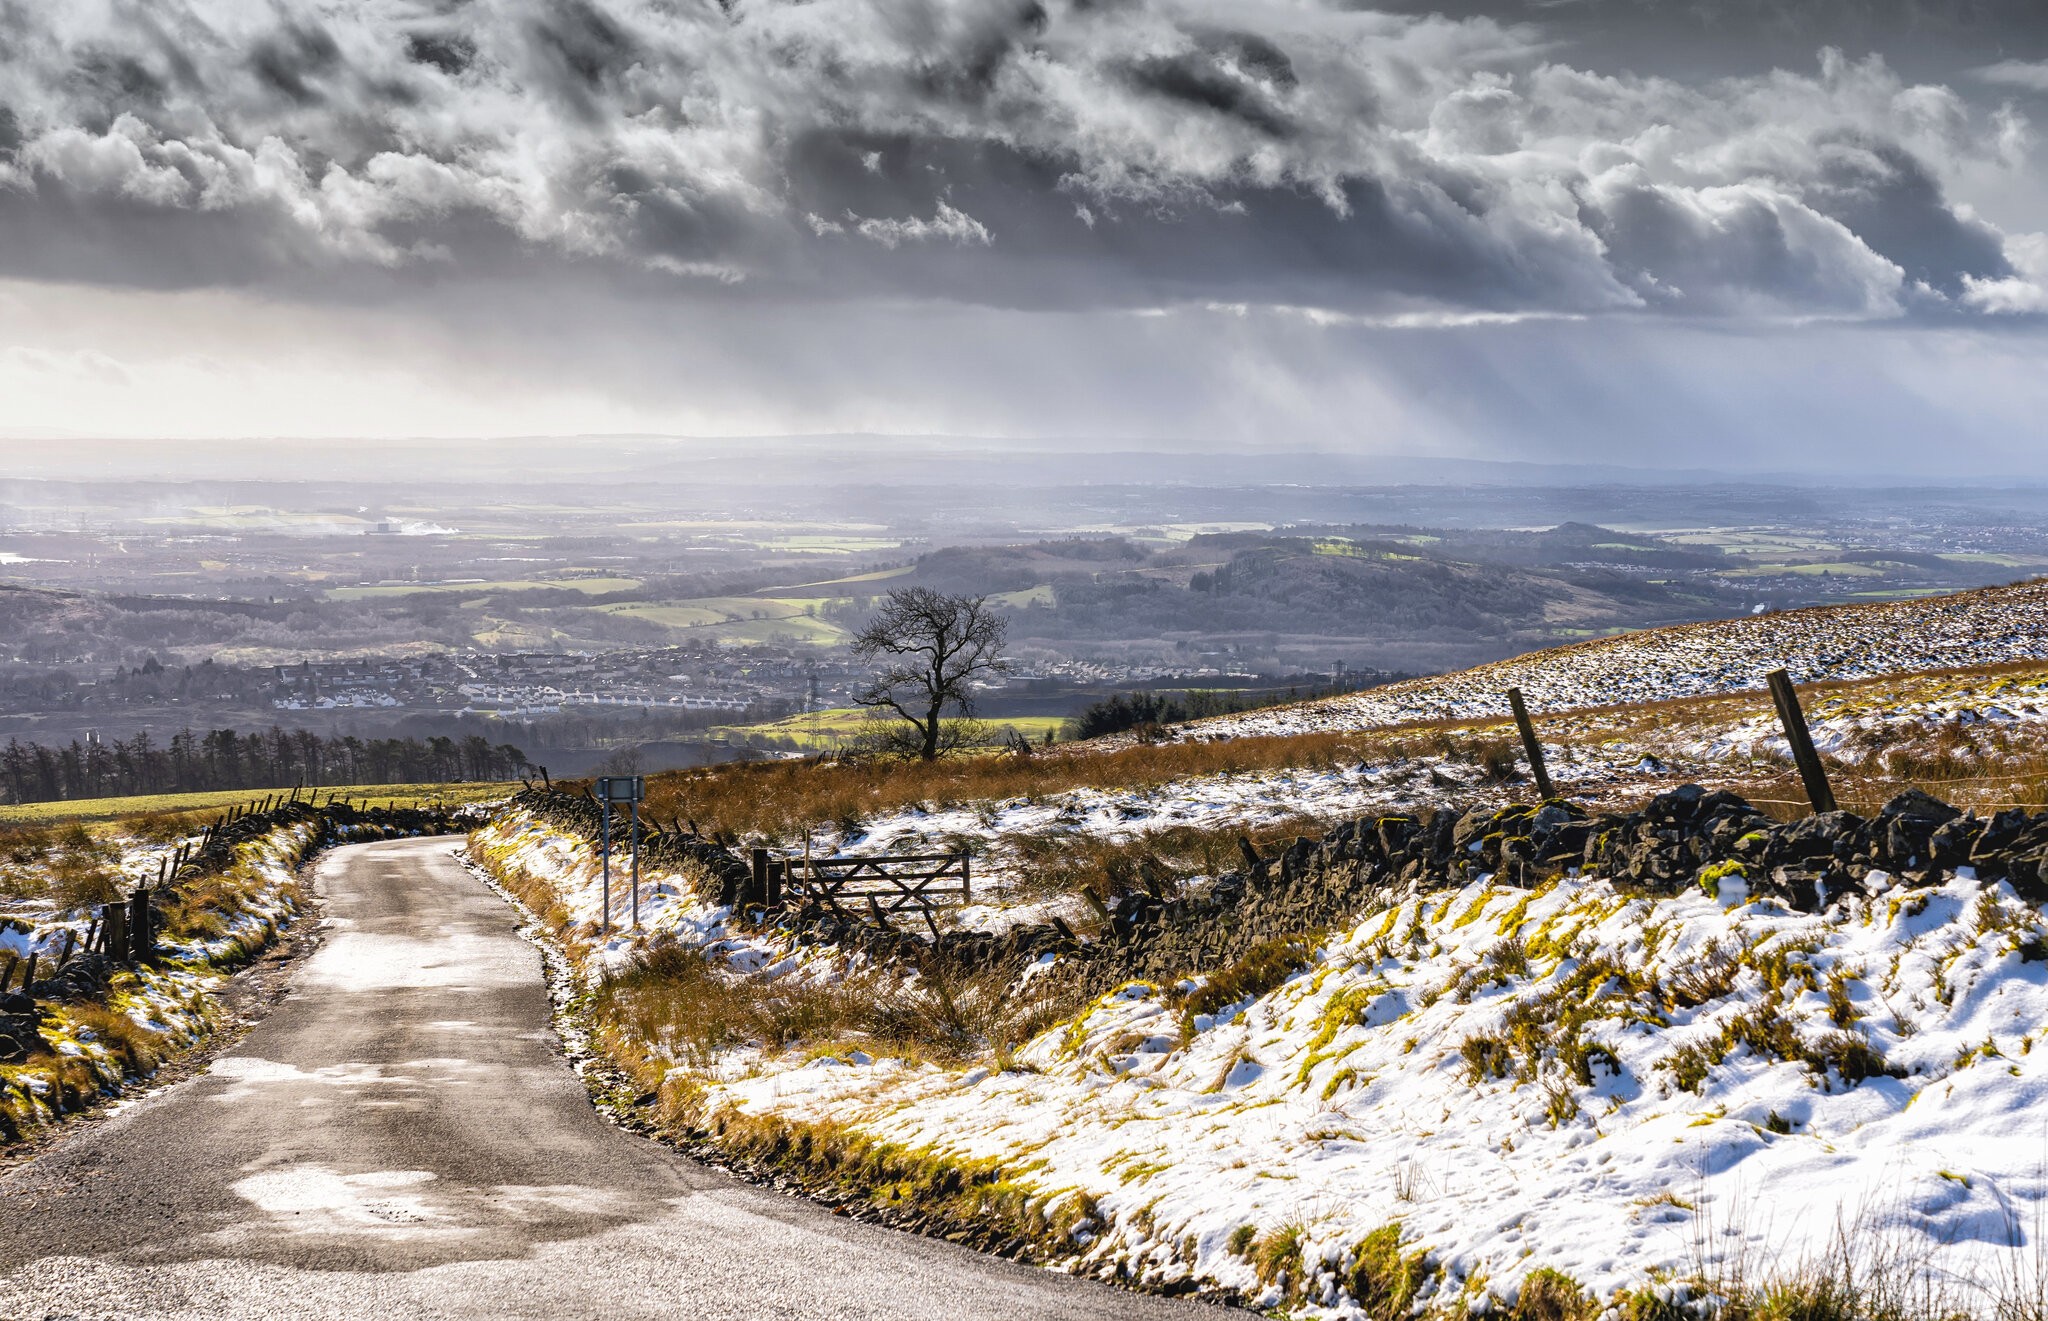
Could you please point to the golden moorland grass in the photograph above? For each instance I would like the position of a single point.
(1984, 767)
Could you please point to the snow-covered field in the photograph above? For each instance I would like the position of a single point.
(1570, 1079)
(1992, 626)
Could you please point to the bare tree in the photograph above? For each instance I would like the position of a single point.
(932, 647)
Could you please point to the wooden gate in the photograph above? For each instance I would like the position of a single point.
(880, 886)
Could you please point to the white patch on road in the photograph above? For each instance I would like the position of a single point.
(253, 1077)
(377, 961)
(314, 1199)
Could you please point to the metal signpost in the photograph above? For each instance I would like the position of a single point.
(629, 789)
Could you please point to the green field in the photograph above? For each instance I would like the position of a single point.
(588, 586)
(740, 620)
(1348, 549)
(1030, 596)
(2001, 561)
(824, 730)
(1741, 541)
(368, 795)
(1842, 569)
(829, 545)
(876, 576)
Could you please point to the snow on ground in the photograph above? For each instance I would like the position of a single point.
(994, 831)
(25, 897)
(257, 894)
(1839, 721)
(1523, 1081)
(1598, 767)
(173, 1003)
(1569, 1078)
(1598, 759)
(1991, 626)
(1566, 1078)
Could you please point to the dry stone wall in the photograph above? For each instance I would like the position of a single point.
(1688, 836)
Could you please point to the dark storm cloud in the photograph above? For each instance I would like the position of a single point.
(1012, 153)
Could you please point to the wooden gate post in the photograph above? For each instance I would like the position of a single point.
(757, 887)
(1530, 745)
(1804, 756)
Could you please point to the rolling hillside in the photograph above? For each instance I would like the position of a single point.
(1992, 626)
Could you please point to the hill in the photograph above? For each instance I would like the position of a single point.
(1406, 602)
(1991, 626)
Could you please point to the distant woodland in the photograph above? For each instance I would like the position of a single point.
(223, 759)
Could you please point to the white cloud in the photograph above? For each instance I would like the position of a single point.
(2026, 75)
(948, 223)
(2025, 292)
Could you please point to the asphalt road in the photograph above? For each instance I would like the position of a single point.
(401, 1137)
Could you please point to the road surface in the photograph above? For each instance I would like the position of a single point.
(401, 1137)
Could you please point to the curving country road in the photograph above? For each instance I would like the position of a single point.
(402, 1138)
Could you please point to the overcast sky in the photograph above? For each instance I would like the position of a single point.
(1765, 234)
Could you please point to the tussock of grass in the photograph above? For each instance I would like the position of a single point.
(1264, 967)
(1383, 1280)
(1276, 1255)
(70, 865)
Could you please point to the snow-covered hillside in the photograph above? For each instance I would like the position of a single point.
(1571, 1080)
(1987, 627)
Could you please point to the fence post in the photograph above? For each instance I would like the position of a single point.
(636, 864)
(1804, 755)
(966, 881)
(776, 874)
(28, 974)
(605, 927)
(757, 888)
(1530, 745)
(114, 931)
(7, 970)
(142, 939)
